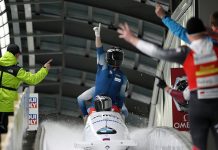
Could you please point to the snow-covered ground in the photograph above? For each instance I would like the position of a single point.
(62, 136)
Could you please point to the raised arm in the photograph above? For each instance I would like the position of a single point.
(174, 55)
(99, 47)
(173, 26)
(97, 30)
(34, 78)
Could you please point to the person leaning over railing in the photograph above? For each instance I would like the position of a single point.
(11, 76)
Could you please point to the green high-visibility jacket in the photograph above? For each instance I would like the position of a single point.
(11, 76)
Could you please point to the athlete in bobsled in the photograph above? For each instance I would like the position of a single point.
(105, 129)
(110, 80)
(88, 95)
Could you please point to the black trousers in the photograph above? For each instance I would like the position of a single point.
(4, 121)
(203, 115)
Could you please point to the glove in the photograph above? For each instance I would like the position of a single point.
(184, 47)
(161, 84)
(97, 30)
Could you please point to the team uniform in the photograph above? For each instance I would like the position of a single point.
(200, 63)
(88, 95)
(110, 81)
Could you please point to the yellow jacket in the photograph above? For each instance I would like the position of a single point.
(11, 76)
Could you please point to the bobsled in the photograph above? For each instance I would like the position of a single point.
(105, 129)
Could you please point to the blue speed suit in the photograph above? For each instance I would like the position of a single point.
(87, 95)
(110, 81)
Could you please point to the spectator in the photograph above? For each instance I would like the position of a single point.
(214, 21)
(10, 79)
(200, 61)
(179, 30)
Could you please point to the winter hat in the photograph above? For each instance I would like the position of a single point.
(195, 25)
(14, 49)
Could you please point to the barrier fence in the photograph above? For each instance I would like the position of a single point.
(18, 124)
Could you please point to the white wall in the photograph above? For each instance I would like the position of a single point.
(163, 114)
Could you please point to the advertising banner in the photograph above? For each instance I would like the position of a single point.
(33, 112)
(180, 117)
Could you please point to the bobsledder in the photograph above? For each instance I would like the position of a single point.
(105, 129)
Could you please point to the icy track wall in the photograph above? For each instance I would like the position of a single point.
(54, 135)
(160, 138)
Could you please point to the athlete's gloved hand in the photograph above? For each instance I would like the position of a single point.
(97, 30)
(184, 47)
(161, 83)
